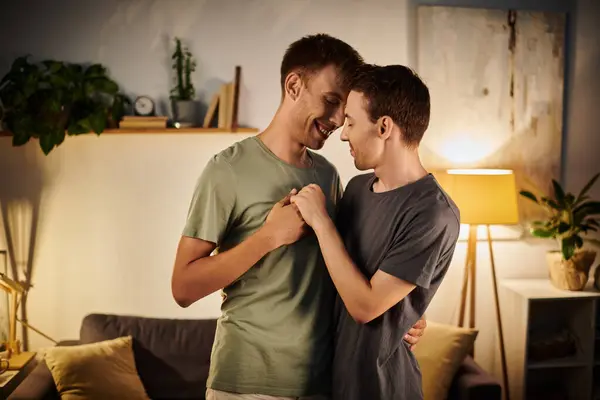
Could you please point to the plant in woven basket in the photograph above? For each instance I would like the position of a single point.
(569, 218)
(50, 99)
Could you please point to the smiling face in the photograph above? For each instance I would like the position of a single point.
(362, 134)
(319, 102)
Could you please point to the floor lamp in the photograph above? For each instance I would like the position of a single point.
(484, 197)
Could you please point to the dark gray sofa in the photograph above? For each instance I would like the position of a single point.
(173, 356)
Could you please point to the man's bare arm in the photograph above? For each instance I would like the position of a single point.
(196, 274)
(365, 299)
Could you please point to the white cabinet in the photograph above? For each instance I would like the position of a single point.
(552, 340)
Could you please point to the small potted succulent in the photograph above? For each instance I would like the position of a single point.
(569, 218)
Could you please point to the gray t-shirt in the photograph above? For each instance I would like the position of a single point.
(410, 233)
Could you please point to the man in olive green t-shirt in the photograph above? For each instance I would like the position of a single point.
(275, 334)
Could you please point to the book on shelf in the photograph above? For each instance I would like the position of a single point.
(224, 105)
(139, 122)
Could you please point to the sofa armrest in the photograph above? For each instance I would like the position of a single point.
(39, 384)
(472, 382)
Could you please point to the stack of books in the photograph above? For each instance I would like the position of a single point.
(223, 108)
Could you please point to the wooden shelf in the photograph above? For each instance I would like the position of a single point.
(167, 131)
(180, 130)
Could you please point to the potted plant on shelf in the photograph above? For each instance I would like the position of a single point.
(569, 219)
(182, 95)
(50, 99)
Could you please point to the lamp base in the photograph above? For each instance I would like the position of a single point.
(18, 361)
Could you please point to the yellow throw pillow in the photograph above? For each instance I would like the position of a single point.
(440, 352)
(103, 370)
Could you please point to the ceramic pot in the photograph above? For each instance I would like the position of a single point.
(572, 274)
(186, 112)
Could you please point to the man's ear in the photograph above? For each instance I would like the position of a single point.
(293, 85)
(385, 125)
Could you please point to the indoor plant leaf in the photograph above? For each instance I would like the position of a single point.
(103, 85)
(529, 195)
(76, 129)
(98, 121)
(559, 193)
(47, 142)
(592, 222)
(569, 200)
(587, 208)
(568, 247)
(578, 241)
(543, 233)
(586, 188)
(20, 138)
(95, 71)
(563, 227)
(551, 203)
(587, 227)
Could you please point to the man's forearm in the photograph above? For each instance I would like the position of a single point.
(206, 275)
(354, 288)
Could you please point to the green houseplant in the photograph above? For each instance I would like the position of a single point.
(50, 99)
(183, 93)
(569, 218)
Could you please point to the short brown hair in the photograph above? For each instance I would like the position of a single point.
(398, 92)
(315, 52)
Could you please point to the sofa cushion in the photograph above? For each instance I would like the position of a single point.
(96, 371)
(440, 353)
(172, 355)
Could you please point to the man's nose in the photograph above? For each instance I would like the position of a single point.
(344, 135)
(339, 117)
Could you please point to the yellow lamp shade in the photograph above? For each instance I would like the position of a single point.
(483, 196)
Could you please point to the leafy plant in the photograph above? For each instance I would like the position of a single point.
(569, 217)
(50, 99)
(184, 65)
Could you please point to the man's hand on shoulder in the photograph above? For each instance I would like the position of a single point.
(414, 334)
(284, 224)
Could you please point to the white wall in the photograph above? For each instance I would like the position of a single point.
(112, 207)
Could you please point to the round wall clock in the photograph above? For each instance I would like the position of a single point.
(143, 106)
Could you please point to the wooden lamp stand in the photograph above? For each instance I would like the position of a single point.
(469, 280)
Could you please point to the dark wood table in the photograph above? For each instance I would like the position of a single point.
(14, 381)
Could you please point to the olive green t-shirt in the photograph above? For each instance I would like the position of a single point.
(275, 334)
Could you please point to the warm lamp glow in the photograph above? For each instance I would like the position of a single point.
(463, 148)
(483, 196)
(479, 171)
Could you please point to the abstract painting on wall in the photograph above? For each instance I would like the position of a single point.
(496, 83)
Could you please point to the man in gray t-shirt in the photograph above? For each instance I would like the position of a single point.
(393, 240)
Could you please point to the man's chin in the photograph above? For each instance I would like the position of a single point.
(316, 144)
(359, 166)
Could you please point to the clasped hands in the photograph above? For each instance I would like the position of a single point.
(289, 220)
(291, 217)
